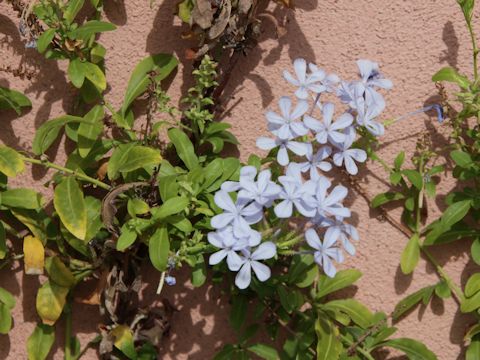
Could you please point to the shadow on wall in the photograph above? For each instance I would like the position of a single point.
(47, 82)
(160, 41)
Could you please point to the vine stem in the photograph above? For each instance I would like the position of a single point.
(475, 49)
(357, 348)
(78, 175)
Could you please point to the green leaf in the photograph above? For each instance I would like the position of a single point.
(199, 272)
(451, 75)
(12, 99)
(159, 247)
(59, 273)
(342, 279)
(470, 304)
(412, 300)
(184, 147)
(414, 177)
(168, 186)
(473, 285)
(355, 310)
(74, 6)
(7, 299)
(170, 207)
(475, 250)
(185, 9)
(328, 344)
(264, 351)
(40, 342)
(473, 350)
(90, 129)
(93, 73)
(11, 162)
(461, 158)
(45, 39)
(455, 212)
(3, 243)
(410, 255)
(51, 299)
(127, 237)
(161, 64)
(413, 349)
(385, 198)
(75, 73)
(442, 290)
(23, 198)
(398, 162)
(90, 28)
(5, 319)
(69, 203)
(48, 132)
(130, 157)
(137, 207)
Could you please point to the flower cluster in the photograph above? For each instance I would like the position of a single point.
(303, 191)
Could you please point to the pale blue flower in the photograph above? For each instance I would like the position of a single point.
(264, 251)
(325, 252)
(305, 82)
(170, 280)
(283, 159)
(263, 191)
(285, 125)
(229, 244)
(371, 76)
(329, 81)
(295, 192)
(327, 130)
(347, 156)
(316, 161)
(342, 232)
(369, 108)
(330, 204)
(239, 214)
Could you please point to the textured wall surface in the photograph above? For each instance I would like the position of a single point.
(411, 39)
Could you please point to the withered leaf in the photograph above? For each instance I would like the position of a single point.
(244, 6)
(222, 21)
(202, 14)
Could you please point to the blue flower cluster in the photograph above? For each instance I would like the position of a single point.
(303, 189)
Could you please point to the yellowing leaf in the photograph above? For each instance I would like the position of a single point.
(51, 299)
(70, 206)
(34, 255)
(124, 341)
(59, 273)
(11, 162)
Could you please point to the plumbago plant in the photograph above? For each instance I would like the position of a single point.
(156, 189)
(411, 187)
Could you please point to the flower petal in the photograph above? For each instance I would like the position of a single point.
(221, 220)
(217, 257)
(312, 239)
(282, 156)
(284, 209)
(234, 261)
(265, 251)
(244, 276)
(224, 201)
(300, 110)
(265, 143)
(262, 271)
(285, 105)
(300, 66)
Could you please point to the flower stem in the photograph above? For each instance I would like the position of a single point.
(78, 175)
(475, 50)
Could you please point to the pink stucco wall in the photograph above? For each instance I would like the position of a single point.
(411, 39)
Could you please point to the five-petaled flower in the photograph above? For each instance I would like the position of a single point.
(325, 252)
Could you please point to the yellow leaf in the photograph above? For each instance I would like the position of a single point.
(59, 273)
(124, 341)
(34, 253)
(51, 299)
